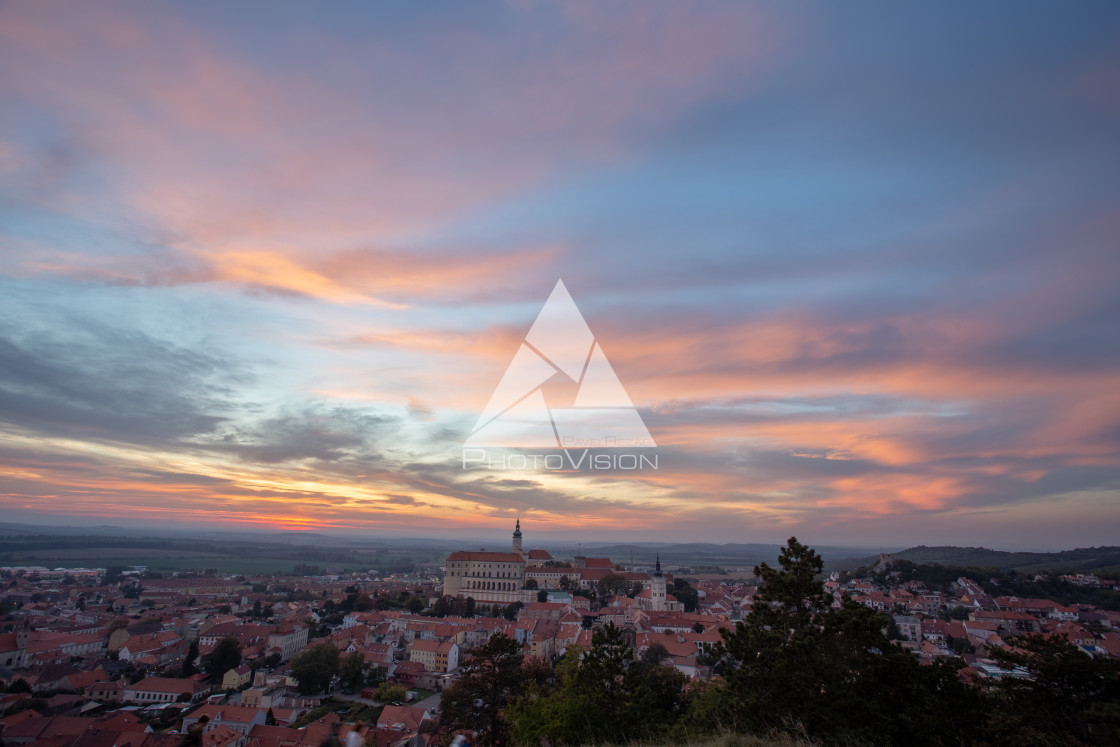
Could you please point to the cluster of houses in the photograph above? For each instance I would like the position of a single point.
(89, 663)
(968, 623)
(86, 663)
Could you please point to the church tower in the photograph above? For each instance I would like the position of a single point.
(517, 538)
(657, 589)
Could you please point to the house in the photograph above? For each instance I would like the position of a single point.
(82, 680)
(105, 691)
(285, 639)
(49, 676)
(241, 719)
(236, 678)
(1075, 634)
(163, 646)
(263, 696)
(274, 736)
(540, 635)
(936, 631)
(543, 611)
(399, 724)
(165, 690)
(222, 736)
(1013, 622)
(910, 628)
(320, 730)
(120, 636)
(13, 650)
(46, 730)
(1063, 613)
(680, 648)
(7, 702)
(65, 645)
(436, 656)
(406, 672)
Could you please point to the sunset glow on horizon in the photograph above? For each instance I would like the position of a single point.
(264, 265)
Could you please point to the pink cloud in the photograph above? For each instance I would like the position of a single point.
(230, 161)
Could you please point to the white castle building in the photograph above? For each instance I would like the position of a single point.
(490, 577)
(500, 577)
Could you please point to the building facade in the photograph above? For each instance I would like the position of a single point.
(436, 656)
(489, 577)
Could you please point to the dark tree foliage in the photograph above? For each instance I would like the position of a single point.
(443, 605)
(655, 654)
(1063, 697)
(269, 662)
(353, 670)
(19, 685)
(188, 667)
(605, 696)
(375, 675)
(510, 612)
(315, 667)
(833, 672)
(225, 656)
(613, 583)
(685, 594)
(491, 676)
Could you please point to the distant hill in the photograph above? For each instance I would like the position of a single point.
(1105, 560)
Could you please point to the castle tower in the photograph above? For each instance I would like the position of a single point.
(517, 538)
(657, 589)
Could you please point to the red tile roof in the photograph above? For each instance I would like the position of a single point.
(493, 557)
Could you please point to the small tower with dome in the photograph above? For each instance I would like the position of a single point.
(517, 538)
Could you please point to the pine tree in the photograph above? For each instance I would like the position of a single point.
(491, 676)
(188, 667)
(797, 661)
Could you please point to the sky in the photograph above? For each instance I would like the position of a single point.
(263, 264)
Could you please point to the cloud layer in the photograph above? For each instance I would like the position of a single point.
(854, 268)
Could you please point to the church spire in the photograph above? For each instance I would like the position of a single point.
(517, 537)
(657, 569)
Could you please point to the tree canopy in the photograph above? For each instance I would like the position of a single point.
(491, 676)
(225, 656)
(315, 667)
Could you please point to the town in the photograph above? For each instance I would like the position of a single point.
(132, 656)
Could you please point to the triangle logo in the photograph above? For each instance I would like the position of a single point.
(558, 350)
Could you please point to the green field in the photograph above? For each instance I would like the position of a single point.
(239, 556)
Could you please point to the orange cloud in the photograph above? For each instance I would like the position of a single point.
(274, 178)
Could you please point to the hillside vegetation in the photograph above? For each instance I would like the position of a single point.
(1099, 560)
